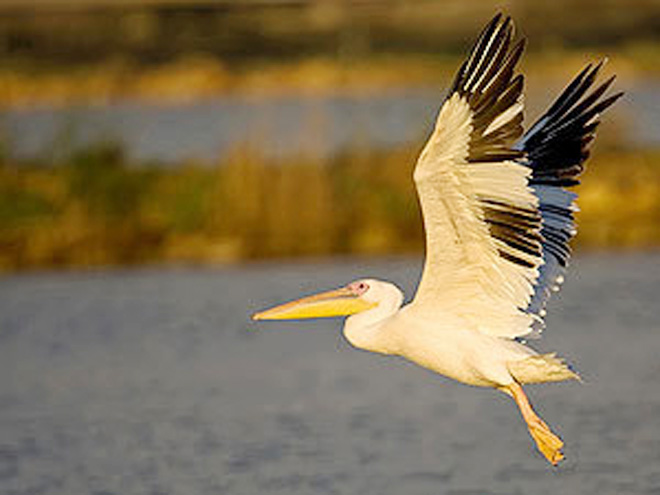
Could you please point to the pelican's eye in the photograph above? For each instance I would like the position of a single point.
(360, 287)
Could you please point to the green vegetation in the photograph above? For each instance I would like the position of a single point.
(94, 207)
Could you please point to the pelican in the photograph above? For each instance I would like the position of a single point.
(498, 217)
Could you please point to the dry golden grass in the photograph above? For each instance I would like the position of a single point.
(195, 77)
(620, 201)
(94, 209)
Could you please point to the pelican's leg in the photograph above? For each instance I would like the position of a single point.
(548, 443)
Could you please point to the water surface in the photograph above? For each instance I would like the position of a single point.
(281, 126)
(156, 382)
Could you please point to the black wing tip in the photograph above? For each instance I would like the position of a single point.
(559, 141)
(580, 85)
(498, 18)
(487, 43)
(600, 64)
(614, 98)
(500, 23)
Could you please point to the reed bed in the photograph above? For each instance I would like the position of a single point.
(94, 207)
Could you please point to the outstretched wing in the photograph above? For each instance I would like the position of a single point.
(481, 217)
(496, 214)
(555, 148)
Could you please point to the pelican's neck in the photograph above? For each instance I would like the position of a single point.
(366, 330)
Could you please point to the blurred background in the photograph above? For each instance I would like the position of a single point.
(166, 166)
(162, 131)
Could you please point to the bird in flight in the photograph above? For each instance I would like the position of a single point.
(498, 216)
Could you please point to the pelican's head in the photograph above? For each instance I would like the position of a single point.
(356, 297)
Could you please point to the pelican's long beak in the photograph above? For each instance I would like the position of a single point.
(339, 302)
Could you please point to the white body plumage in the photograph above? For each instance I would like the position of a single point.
(445, 343)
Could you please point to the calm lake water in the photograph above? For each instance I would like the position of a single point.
(280, 126)
(156, 382)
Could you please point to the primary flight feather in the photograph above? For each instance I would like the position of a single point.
(498, 219)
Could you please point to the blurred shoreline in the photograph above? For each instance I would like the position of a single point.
(64, 52)
(197, 77)
(96, 202)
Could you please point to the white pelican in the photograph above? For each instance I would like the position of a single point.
(498, 220)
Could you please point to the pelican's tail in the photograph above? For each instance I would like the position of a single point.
(541, 368)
